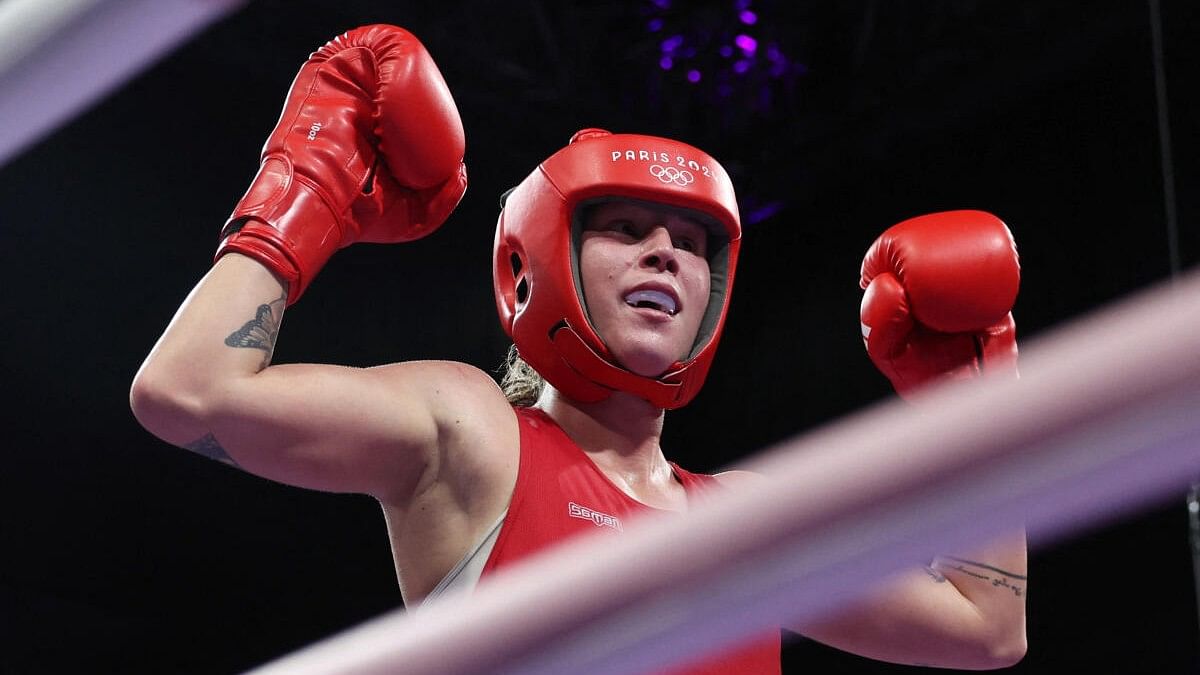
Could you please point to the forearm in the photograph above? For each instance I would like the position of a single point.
(224, 331)
(961, 612)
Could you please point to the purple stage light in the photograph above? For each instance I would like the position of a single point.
(717, 53)
(746, 43)
(761, 213)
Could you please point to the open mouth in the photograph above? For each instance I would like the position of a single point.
(658, 300)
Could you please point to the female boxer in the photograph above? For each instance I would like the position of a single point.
(614, 262)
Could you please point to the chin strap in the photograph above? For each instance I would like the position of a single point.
(580, 357)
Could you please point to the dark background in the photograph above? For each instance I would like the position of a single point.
(124, 554)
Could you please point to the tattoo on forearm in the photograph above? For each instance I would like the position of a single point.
(210, 448)
(261, 331)
(997, 577)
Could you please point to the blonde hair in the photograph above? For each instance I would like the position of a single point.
(522, 385)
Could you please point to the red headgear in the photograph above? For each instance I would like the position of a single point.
(535, 269)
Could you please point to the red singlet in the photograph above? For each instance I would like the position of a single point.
(561, 493)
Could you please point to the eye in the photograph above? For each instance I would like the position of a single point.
(685, 244)
(626, 227)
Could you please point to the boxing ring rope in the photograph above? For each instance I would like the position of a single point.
(1105, 419)
(57, 57)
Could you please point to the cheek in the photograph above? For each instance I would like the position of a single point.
(701, 281)
(596, 270)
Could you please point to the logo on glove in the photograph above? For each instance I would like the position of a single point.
(669, 174)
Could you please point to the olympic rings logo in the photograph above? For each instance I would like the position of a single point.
(669, 174)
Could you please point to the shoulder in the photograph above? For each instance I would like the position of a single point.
(458, 397)
(734, 479)
(738, 479)
(451, 373)
(446, 387)
(477, 440)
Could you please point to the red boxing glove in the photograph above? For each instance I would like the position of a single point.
(939, 295)
(369, 148)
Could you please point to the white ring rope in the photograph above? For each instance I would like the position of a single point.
(1105, 419)
(57, 57)
(26, 25)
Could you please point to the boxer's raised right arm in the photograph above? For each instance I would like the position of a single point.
(207, 386)
(368, 148)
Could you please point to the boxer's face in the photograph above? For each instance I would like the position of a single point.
(646, 280)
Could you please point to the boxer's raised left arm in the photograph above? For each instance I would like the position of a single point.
(938, 306)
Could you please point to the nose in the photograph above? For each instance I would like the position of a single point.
(658, 251)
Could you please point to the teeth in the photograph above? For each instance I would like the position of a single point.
(661, 301)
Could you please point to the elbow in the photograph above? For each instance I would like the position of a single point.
(163, 408)
(1010, 647)
(1002, 653)
(1010, 653)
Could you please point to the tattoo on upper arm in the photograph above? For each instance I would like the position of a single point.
(997, 577)
(261, 331)
(210, 448)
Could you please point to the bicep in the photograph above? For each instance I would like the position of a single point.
(330, 428)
